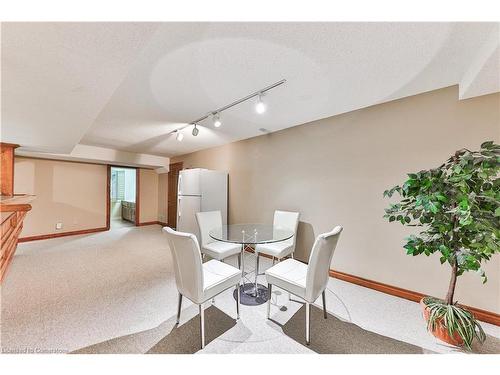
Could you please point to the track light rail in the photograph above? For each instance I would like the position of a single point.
(221, 109)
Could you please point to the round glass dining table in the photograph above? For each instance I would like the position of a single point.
(249, 235)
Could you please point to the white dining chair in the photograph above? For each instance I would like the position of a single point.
(306, 281)
(278, 250)
(197, 281)
(218, 250)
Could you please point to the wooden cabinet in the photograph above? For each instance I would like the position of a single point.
(13, 209)
(128, 211)
(12, 223)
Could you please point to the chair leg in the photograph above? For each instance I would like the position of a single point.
(269, 290)
(308, 323)
(242, 264)
(256, 270)
(237, 301)
(273, 261)
(323, 295)
(179, 305)
(202, 325)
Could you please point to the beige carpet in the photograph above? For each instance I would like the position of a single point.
(69, 293)
(168, 338)
(333, 336)
(330, 336)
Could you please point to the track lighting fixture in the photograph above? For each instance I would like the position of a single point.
(216, 120)
(179, 136)
(195, 130)
(260, 106)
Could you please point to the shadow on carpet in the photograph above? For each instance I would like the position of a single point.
(334, 336)
(167, 338)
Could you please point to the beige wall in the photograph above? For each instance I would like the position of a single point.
(75, 194)
(148, 195)
(71, 193)
(335, 170)
(162, 197)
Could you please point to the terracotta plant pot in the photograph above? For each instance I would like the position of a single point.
(440, 331)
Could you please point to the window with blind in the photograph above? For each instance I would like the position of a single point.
(118, 185)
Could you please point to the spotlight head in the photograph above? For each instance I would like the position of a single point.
(217, 121)
(179, 136)
(260, 106)
(195, 130)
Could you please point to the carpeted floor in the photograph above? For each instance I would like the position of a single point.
(334, 336)
(168, 338)
(114, 292)
(331, 336)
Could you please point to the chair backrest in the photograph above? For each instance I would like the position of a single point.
(289, 221)
(206, 222)
(187, 263)
(319, 263)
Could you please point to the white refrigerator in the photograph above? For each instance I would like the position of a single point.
(200, 190)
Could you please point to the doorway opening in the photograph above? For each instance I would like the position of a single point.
(123, 197)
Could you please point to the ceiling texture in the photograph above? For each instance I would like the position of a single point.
(126, 86)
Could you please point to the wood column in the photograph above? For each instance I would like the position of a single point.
(7, 168)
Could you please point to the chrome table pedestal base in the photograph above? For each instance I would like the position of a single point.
(248, 296)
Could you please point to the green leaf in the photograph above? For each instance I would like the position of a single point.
(433, 208)
(456, 205)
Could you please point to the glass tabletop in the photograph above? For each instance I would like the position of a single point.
(250, 234)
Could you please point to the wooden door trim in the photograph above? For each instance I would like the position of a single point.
(137, 197)
(108, 197)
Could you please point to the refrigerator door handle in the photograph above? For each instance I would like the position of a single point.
(179, 190)
(179, 206)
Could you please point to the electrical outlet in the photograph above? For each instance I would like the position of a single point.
(58, 225)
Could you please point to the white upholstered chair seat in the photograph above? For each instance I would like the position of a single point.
(277, 249)
(217, 277)
(199, 281)
(282, 220)
(220, 250)
(289, 275)
(307, 281)
(208, 221)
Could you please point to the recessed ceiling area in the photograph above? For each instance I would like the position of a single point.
(126, 86)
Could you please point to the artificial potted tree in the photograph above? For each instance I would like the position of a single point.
(457, 205)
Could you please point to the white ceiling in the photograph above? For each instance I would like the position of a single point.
(125, 86)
